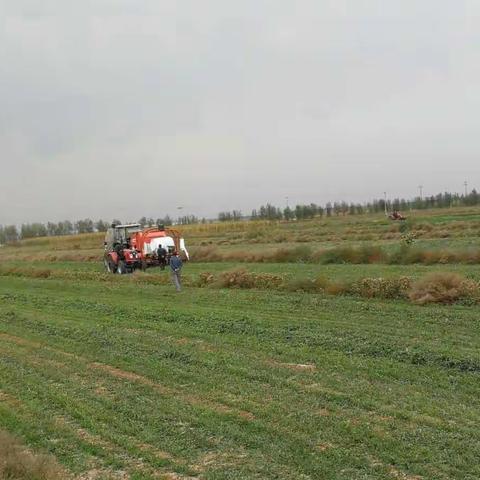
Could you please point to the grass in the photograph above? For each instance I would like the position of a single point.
(220, 388)
(122, 379)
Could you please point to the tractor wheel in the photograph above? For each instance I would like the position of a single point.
(121, 269)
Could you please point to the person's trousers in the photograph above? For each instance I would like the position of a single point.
(177, 281)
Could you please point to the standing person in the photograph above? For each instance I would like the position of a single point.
(162, 257)
(176, 266)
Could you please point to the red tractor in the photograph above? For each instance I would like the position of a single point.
(396, 215)
(129, 247)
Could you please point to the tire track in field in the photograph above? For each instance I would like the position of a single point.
(121, 374)
(362, 344)
(132, 464)
(97, 467)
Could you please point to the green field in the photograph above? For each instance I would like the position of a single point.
(123, 379)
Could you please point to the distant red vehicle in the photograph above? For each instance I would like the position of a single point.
(396, 215)
(129, 247)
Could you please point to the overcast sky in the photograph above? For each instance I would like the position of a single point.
(124, 108)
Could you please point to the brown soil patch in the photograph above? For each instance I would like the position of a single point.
(220, 459)
(124, 374)
(323, 447)
(300, 367)
(246, 415)
(20, 341)
(160, 454)
(134, 377)
(103, 392)
(10, 399)
(85, 434)
(402, 475)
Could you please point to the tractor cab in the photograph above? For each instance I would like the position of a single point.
(120, 235)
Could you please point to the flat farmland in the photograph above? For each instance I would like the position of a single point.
(120, 377)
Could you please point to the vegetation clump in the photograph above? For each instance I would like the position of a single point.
(406, 254)
(18, 463)
(444, 288)
(242, 278)
(388, 288)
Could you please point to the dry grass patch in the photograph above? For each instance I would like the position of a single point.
(445, 288)
(19, 463)
(241, 278)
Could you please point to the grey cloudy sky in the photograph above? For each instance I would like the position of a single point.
(124, 108)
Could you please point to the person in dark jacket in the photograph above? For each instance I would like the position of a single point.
(162, 257)
(176, 267)
(118, 248)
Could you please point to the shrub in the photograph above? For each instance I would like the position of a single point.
(408, 238)
(444, 288)
(42, 273)
(206, 278)
(381, 287)
(241, 278)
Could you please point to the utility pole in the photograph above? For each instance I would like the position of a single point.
(466, 186)
(286, 200)
(420, 187)
(385, 195)
(179, 212)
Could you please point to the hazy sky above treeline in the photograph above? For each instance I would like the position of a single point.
(124, 108)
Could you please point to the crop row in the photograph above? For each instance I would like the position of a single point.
(440, 287)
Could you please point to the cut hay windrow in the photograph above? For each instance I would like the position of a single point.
(440, 287)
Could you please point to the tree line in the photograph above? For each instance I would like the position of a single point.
(10, 233)
(303, 212)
